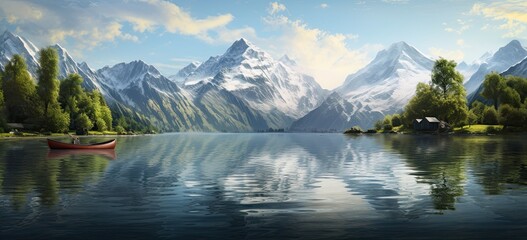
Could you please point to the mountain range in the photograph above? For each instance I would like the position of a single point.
(245, 89)
(382, 87)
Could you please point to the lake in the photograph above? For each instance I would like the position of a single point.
(267, 186)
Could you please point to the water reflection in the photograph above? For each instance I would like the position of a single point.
(250, 186)
(443, 162)
(31, 175)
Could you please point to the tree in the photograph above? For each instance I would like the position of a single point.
(449, 83)
(492, 87)
(83, 123)
(57, 119)
(70, 94)
(445, 77)
(378, 124)
(519, 84)
(472, 118)
(396, 120)
(477, 109)
(510, 116)
(48, 85)
(510, 96)
(20, 97)
(490, 116)
(425, 103)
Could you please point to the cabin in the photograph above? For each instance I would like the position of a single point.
(427, 124)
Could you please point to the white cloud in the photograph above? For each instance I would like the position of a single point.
(276, 7)
(462, 27)
(460, 42)
(512, 13)
(324, 55)
(90, 24)
(456, 55)
(324, 5)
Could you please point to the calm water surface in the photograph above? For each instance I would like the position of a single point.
(267, 186)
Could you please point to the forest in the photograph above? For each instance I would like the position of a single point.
(49, 105)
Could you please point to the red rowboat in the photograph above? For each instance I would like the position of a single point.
(62, 145)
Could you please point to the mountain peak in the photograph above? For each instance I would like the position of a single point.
(239, 47)
(400, 45)
(513, 50)
(287, 60)
(514, 43)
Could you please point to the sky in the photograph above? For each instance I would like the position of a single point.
(328, 39)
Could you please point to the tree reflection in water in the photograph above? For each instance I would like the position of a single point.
(40, 176)
(442, 162)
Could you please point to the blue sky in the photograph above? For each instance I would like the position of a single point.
(328, 39)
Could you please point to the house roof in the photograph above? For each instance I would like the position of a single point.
(432, 119)
(418, 120)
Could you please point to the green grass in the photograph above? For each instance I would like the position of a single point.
(478, 128)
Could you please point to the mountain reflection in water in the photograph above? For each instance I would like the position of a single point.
(259, 186)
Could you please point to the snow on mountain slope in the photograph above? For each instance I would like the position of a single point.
(382, 87)
(266, 85)
(184, 72)
(172, 108)
(504, 58)
(386, 84)
(67, 65)
(11, 44)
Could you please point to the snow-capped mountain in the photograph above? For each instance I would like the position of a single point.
(382, 87)
(171, 108)
(266, 85)
(11, 44)
(67, 65)
(182, 74)
(505, 57)
(144, 89)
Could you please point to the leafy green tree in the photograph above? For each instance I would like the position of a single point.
(446, 79)
(70, 91)
(472, 118)
(102, 116)
(490, 116)
(119, 129)
(425, 103)
(379, 124)
(510, 116)
(83, 123)
(454, 109)
(48, 84)
(396, 120)
(387, 120)
(477, 109)
(19, 91)
(510, 96)
(519, 84)
(492, 87)
(57, 120)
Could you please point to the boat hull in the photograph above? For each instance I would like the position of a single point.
(62, 145)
